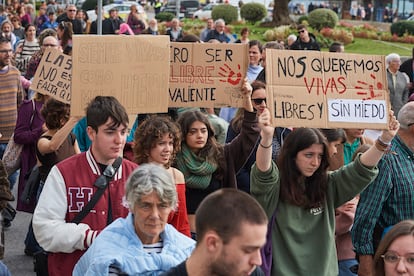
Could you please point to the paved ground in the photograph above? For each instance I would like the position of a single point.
(18, 263)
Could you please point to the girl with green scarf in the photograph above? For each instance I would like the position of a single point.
(208, 166)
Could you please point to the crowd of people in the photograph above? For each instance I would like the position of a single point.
(201, 191)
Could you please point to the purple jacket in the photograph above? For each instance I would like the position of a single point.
(27, 135)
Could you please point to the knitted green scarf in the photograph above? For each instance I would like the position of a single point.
(197, 171)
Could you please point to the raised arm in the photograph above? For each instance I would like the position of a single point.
(264, 151)
(247, 93)
(47, 146)
(371, 157)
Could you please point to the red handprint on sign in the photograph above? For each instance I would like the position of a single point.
(231, 76)
(370, 93)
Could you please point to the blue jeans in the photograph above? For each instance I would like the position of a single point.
(12, 178)
(344, 267)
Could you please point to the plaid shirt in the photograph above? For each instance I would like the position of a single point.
(388, 200)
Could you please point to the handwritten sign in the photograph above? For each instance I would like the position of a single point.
(327, 90)
(53, 75)
(206, 75)
(134, 69)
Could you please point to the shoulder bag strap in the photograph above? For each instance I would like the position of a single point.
(101, 182)
(33, 113)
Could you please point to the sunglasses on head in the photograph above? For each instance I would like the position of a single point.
(258, 101)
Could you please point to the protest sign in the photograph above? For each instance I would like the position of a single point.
(207, 74)
(134, 69)
(327, 90)
(53, 75)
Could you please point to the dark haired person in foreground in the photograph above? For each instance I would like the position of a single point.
(231, 229)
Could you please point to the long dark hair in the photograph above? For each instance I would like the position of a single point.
(311, 191)
(212, 151)
(67, 29)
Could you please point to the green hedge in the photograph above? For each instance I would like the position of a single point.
(321, 18)
(164, 16)
(402, 27)
(226, 12)
(253, 12)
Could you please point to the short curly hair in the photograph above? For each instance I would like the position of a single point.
(55, 113)
(150, 132)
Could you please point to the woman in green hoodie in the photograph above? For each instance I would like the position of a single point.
(304, 195)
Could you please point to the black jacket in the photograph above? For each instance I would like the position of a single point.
(311, 45)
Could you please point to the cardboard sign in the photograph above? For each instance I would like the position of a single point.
(53, 75)
(206, 74)
(134, 69)
(327, 90)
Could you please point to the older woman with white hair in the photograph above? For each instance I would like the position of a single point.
(142, 243)
(397, 82)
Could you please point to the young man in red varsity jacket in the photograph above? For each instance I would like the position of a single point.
(70, 185)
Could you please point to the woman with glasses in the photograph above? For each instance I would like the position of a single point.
(259, 105)
(47, 38)
(26, 48)
(208, 166)
(143, 243)
(395, 253)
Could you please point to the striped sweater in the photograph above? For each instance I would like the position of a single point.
(10, 98)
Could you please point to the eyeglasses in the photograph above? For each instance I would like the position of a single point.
(392, 258)
(258, 101)
(6, 51)
(49, 45)
(301, 31)
(410, 124)
(72, 10)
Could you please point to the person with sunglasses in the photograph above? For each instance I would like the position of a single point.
(259, 105)
(70, 16)
(395, 254)
(305, 40)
